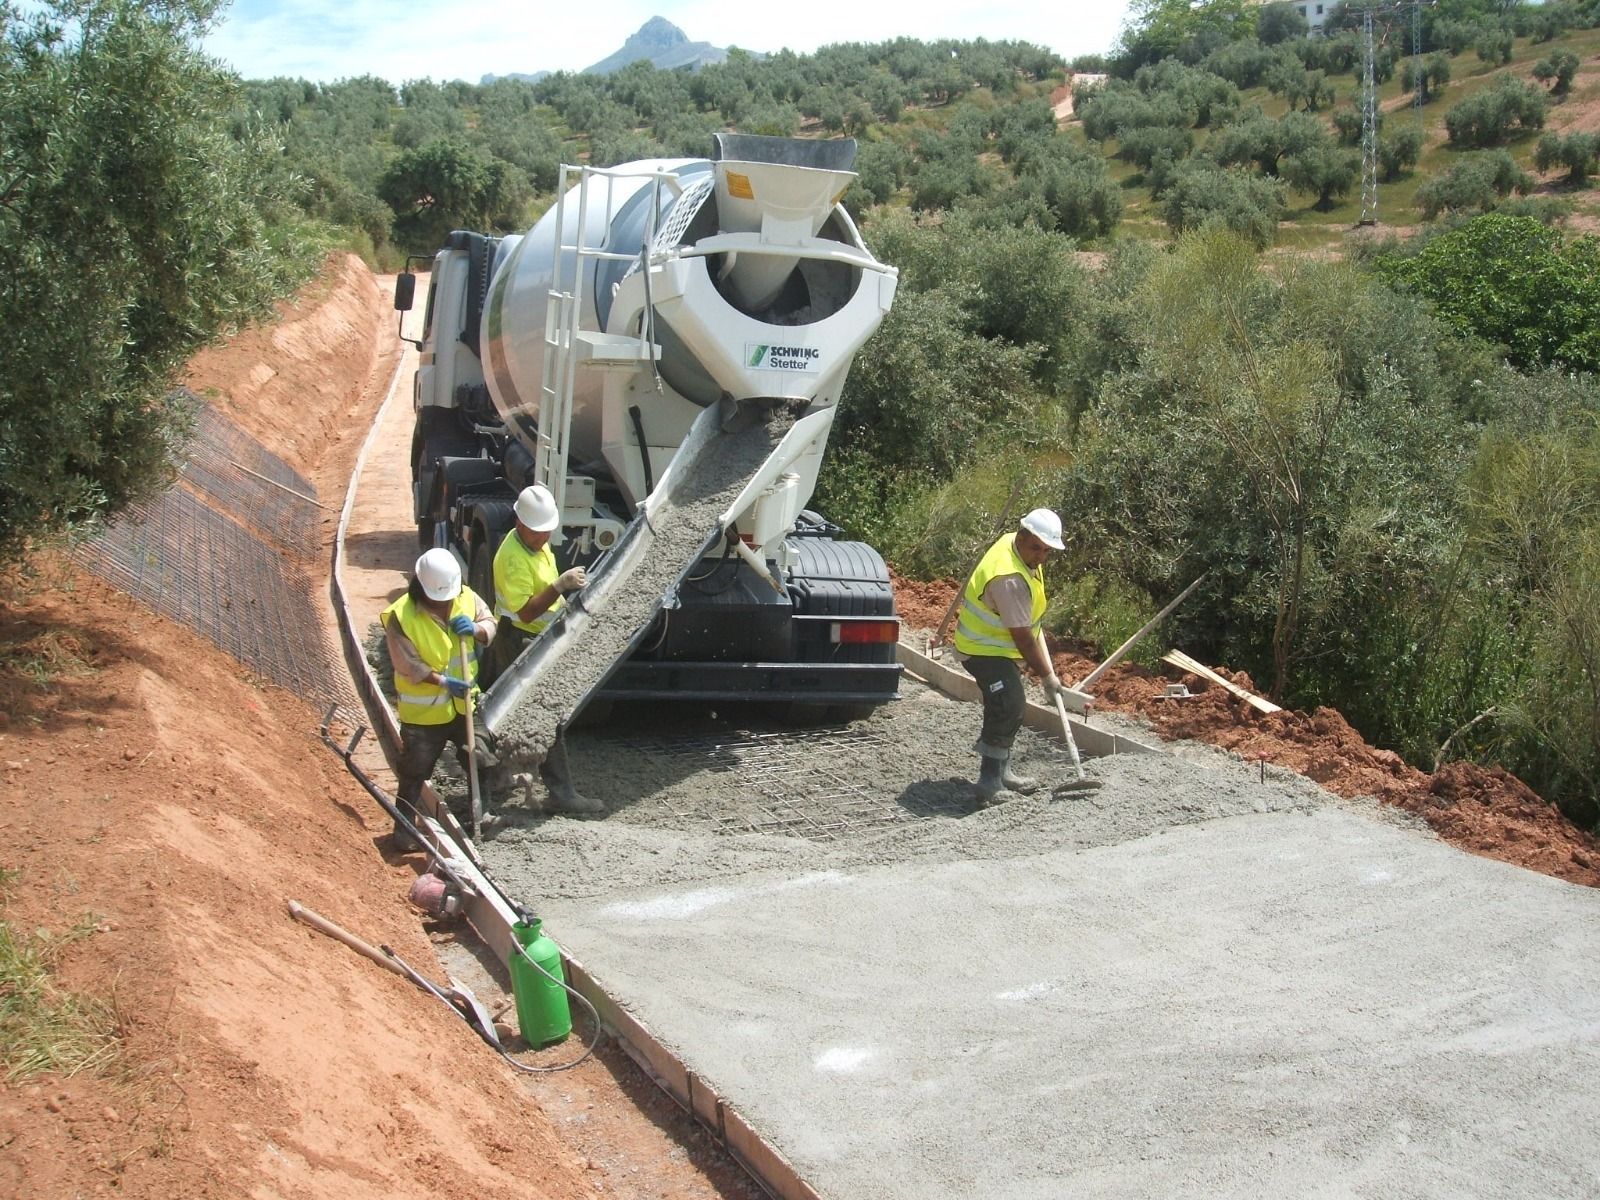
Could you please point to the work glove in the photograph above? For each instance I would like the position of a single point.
(571, 581)
(462, 626)
(458, 687)
(1053, 687)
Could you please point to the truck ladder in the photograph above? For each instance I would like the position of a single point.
(565, 343)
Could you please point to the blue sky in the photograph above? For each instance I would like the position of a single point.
(464, 39)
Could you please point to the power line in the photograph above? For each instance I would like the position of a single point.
(1369, 94)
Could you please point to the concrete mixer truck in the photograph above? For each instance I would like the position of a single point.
(604, 354)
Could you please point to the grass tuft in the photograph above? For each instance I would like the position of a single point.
(45, 657)
(44, 1027)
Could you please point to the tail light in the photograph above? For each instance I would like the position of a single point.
(865, 633)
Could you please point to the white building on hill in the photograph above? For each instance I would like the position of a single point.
(1314, 11)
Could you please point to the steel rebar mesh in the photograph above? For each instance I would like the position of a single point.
(225, 553)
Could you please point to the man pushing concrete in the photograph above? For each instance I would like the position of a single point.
(428, 631)
(1001, 616)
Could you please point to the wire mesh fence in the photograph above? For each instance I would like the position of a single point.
(226, 551)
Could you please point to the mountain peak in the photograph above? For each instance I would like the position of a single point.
(655, 35)
(662, 43)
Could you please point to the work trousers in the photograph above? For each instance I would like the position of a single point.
(508, 642)
(420, 747)
(1004, 699)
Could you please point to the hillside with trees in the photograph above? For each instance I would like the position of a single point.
(1382, 446)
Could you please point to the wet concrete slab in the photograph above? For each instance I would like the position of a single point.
(1265, 993)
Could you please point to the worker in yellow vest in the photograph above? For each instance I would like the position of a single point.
(425, 630)
(1002, 615)
(528, 594)
(528, 586)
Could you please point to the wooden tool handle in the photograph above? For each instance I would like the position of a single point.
(322, 925)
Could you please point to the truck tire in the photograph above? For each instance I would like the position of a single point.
(480, 573)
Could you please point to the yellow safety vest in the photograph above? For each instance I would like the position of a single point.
(980, 630)
(519, 575)
(429, 703)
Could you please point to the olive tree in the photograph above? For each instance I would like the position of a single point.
(1577, 152)
(1559, 70)
(1203, 195)
(132, 231)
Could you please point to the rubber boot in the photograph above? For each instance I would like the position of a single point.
(990, 781)
(1024, 784)
(562, 796)
(404, 843)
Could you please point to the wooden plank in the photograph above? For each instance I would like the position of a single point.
(761, 1159)
(962, 686)
(1184, 663)
(706, 1104)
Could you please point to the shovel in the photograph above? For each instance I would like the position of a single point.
(472, 753)
(1082, 783)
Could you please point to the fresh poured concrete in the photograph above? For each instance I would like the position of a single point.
(1264, 993)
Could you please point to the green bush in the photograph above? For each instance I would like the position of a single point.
(1495, 46)
(449, 184)
(1290, 429)
(1476, 184)
(136, 225)
(1496, 114)
(1514, 282)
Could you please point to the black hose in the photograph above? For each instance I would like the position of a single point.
(576, 995)
(392, 807)
(644, 450)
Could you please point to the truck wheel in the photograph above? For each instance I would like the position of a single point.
(480, 575)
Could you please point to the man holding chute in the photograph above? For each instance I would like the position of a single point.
(529, 591)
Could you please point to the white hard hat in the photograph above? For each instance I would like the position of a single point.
(439, 574)
(536, 508)
(1045, 526)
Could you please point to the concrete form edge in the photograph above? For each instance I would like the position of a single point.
(959, 684)
(491, 914)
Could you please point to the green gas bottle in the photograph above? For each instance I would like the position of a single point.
(542, 1012)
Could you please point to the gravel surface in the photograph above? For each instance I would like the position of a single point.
(675, 816)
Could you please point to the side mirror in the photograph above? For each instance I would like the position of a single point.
(405, 290)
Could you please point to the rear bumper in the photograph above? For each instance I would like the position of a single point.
(818, 683)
